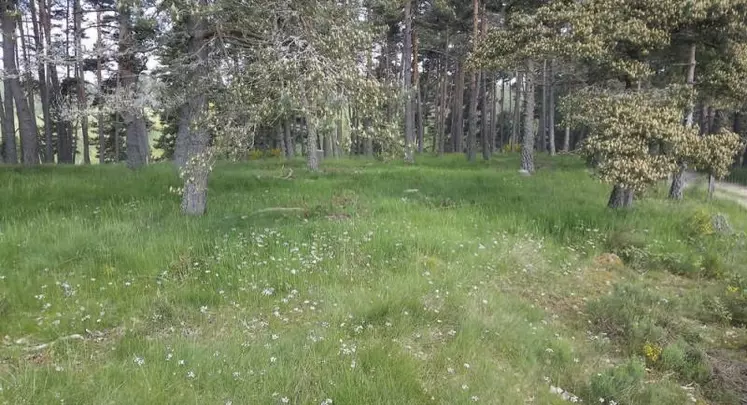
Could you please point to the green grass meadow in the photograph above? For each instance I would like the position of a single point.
(368, 283)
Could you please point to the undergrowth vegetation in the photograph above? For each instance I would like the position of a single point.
(367, 283)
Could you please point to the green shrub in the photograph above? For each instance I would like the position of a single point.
(619, 384)
(630, 247)
(689, 362)
(631, 315)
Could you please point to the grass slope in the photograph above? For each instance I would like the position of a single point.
(443, 283)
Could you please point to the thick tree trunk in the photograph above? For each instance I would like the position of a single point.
(620, 198)
(457, 114)
(407, 86)
(43, 88)
(10, 151)
(82, 103)
(26, 121)
(326, 144)
(527, 149)
(198, 158)
(312, 156)
(136, 129)
(676, 190)
(290, 147)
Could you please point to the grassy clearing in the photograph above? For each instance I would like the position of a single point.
(441, 283)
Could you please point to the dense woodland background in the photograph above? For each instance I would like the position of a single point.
(195, 81)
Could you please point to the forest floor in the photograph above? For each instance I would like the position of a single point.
(368, 283)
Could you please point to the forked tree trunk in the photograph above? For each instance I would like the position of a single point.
(527, 149)
(676, 190)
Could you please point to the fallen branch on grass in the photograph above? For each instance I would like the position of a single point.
(43, 346)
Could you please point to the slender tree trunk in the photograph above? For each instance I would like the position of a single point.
(9, 126)
(473, 90)
(527, 149)
(551, 114)
(326, 143)
(501, 115)
(64, 140)
(517, 110)
(567, 139)
(485, 118)
(281, 141)
(82, 103)
(26, 121)
(457, 114)
(407, 79)
(290, 148)
(419, 119)
(445, 83)
(676, 190)
(541, 142)
(28, 79)
(99, 56)
(41, 54)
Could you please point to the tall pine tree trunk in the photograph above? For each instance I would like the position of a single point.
(136, 130)
(10, 150)
(517, 110)
(457, 114)
(474, 90)
(542, 130)
(527, 148)
(26, 121)
(64, 139)
(41, 52)
(198, 156)
(551, 113)
(676, 190)
(100, 117)
(407, 87)
(419, 119)
(82, 103)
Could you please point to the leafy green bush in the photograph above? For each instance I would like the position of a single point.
(631, 315)
(618, 384)
(689, 362)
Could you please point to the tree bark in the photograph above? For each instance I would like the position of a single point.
(281, 140)
(290, 148)
(457, 114)
(136, 129)
(485, 119)
(100, 117)
(312, 157)
(419, 119)
(517, 110)
(9, 126)
(41, 53)
(541, 142)
(473, 89)
(82, 103)
(26, 122)
(527, 149)
(407, 86)
(64, 137)
(198, 159)
(620, 198)
(551, 113)
(501, 115)
(676, 190)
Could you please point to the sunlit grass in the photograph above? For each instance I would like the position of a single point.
(443, 282)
